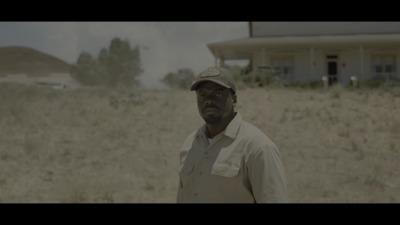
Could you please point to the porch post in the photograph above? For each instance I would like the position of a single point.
(222, 61)
(216, 58)
(361, 62)
(263, 56)
(312, 61)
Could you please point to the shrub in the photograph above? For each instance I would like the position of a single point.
(372, 83)
(310, 85)
(261, 79)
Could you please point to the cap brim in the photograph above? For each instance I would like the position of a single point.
(197, 83)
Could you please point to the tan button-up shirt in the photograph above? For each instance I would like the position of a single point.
(240, 165)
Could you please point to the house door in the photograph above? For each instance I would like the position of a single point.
(332, 68)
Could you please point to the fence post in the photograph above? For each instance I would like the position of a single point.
(325, 81)
(353, 81)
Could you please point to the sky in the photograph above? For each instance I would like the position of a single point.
(164, 46)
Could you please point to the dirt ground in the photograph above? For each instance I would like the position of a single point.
(122, 146)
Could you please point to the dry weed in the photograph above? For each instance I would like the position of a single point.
(121, 145)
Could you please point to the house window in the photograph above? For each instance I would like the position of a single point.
(383, 64)
(282, 65)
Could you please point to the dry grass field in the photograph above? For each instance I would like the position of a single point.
(98, 145)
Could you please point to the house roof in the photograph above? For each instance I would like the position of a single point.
(241, 48)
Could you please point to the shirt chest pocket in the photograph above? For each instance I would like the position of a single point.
(227, 164)
(228, 170)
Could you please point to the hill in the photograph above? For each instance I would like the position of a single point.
(24, 60)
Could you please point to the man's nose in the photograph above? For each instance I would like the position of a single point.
(209, 101)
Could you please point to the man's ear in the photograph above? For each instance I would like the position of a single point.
(234, 97)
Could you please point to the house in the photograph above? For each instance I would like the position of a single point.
(309, 51)
(53, 80)
(27, 66)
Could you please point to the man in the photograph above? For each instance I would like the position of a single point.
(227, 160)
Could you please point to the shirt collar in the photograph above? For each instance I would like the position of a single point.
(231, 130)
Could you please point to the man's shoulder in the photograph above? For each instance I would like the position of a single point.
(251, 130)
(192, 135)
(190, 138)
(252, 133)
(256, 142)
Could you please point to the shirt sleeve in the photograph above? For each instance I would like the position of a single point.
(266, 175)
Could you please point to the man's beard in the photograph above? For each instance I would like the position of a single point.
(212, 119)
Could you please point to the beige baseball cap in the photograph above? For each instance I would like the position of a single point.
(217, 75)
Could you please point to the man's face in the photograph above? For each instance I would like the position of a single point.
(215, 102)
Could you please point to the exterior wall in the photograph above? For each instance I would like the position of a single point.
(302, 69)
(265, 29)
(350, 66)
(368, 62)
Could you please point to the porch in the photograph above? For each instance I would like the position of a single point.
(302, 59)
